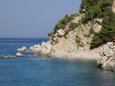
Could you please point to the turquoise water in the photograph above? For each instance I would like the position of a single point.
(38, 71)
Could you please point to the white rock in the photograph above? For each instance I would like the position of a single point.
(44, 48)
(22, 49)
(98, 20)
(35, 48)
(60, 32)
(107, 56)
(19, 54)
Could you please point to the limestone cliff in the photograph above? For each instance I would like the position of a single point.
(77, 39)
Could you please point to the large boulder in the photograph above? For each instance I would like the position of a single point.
(107, 56)
(60, 33)
(19, 54)
(35, 48)
(45, 48)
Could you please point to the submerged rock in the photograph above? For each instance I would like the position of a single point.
(8, 56)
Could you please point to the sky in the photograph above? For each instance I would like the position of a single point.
(33, 18)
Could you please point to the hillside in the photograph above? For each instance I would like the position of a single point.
(82, 34)
(92, 27)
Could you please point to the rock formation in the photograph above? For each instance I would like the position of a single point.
(107, 56)
(44, 49)
(23, 49)
(18, 54)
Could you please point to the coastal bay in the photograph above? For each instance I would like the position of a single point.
(41, 71)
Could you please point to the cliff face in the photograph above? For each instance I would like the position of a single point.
(77, 39)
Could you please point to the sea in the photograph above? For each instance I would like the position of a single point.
(41, 71)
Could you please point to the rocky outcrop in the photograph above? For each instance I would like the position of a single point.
(45, 48)
(107, 56)
(23, 49)
(18, 54)
(60, 33)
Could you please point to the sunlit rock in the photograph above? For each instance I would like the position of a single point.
(22, 49)
(107, 56)
(19, 54)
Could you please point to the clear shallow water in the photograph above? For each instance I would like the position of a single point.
(38, 71)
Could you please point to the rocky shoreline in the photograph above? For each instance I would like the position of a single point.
(107, 57)
(104, 55)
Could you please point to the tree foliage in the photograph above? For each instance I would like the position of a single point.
(100, 9)
(107, 33)
(62, 23)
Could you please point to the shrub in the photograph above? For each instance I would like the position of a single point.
(95, 10)
(52, 35)
(91, 31)
(100, 9)
(73, 25)
(62, 23)
(107, 33)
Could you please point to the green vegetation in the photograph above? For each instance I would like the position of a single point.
(73, 25)
(79, 43)
(108, 28)
(62, 23)
(92, 9)
(91, 31)
(52, 35)
(100, 9)
(107, 33)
